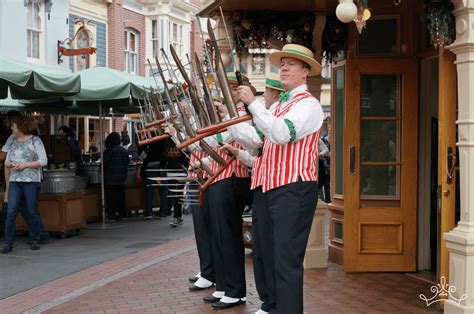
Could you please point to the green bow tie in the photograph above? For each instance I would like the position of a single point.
(284, 96)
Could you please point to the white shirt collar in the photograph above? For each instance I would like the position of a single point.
(298, 89)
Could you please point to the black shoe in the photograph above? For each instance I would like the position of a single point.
(221, 305)
(34, 246)
(211, 299)
(193, 278)
(7, 249)
(41, 241)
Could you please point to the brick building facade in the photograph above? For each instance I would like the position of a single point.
(121, 19)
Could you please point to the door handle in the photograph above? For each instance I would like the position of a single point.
(352, 160)
(450, 164)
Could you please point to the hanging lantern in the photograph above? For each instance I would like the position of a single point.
(363, 14)
(346, 11)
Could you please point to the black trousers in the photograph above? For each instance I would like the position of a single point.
(264, 274)
(115, 200)
(227, 202)
(289, 210)
(174, 200)
(202, 233)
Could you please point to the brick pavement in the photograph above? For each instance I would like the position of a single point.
(155, 280)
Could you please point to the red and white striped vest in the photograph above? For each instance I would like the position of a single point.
(285, 164)
(237, 167)
(256, 179)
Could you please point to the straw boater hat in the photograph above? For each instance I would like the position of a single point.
(233, 80)
(273, 81)
(297, 52)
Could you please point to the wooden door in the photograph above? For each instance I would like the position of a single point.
(380, 144)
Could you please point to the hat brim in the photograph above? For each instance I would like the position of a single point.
(315, 67)
(276, 88)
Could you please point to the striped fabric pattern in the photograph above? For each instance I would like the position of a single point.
(237, 167)
(256, 179)
(285, 164)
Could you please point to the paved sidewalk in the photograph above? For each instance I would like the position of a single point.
(155, 280)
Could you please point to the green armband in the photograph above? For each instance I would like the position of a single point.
(291, 127)
(219, 138)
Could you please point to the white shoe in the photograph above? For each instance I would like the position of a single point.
(260, 311)
(226, 299)
(203, 283)
(218, 294)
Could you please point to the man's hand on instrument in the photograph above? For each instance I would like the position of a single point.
(168, 128)
(231, 150)
(195, 165)
(221, 109)
(246, 95)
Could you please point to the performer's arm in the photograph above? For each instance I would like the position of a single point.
(303, 119)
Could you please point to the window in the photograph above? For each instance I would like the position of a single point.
(154, 38)
(176, 37)
(131, 51)
(258, 64)
(35, 18)
(372, 43)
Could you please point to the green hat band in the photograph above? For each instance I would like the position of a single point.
(273, 83)
(231, 77)
(299, 52)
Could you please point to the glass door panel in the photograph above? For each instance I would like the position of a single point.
(380, 136)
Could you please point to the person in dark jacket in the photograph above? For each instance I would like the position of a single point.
(155, 159)
(115, 174)
(175, 160)
(72, 143)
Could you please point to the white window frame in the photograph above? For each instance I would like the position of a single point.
(177, 41)
(40, 31)
(130, 54)
(155, 43)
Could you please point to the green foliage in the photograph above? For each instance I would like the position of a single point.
(333, 38)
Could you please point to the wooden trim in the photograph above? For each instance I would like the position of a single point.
(382, 118)
(333, 170)
(380, 163)
(446, 137)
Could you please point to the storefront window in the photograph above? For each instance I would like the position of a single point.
(380, 136)
(339, 130)
(380, 37)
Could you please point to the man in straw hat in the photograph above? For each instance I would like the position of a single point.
(288, 173)
(251, 139)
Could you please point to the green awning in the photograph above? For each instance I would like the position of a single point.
(32, 81)
(112, 88)
(109, 85)
(10, 104)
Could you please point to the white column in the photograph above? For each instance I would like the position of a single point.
(460, 240)
(317, 249)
